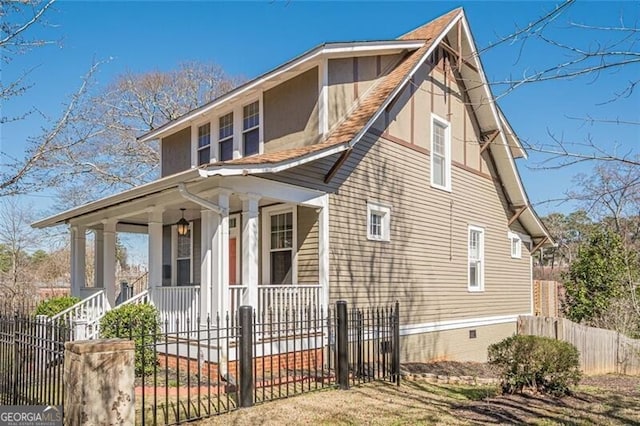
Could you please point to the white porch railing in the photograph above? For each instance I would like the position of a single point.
(89, 310)
(289, 296)
(236, 297)
(179, 307)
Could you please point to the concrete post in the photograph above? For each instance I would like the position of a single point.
(80, 329)
(99, 377)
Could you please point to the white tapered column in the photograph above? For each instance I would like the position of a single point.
(220, 254)
(78, 258)
(155, 247)
(250, 248)
(209, 221)
(109, 262)
(323, 250)
(98, 258)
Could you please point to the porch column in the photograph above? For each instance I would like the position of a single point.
(220, 253)
(155, 247)
(109, 262)
(323, 251)
(209, 222)
(98, 258)
(250, 248)
(78, 258)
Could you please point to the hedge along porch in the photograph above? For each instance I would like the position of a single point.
(248, 241)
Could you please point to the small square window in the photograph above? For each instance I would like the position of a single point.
(378, 222)
(516, 245)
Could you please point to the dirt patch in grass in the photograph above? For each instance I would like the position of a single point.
(452, 368)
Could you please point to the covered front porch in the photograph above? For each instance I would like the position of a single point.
(214, 244)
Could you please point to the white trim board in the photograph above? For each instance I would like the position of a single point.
(428, 327)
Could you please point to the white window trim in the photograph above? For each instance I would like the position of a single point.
(217, 134)
(235, 233)
(259, 126)
(447, 150)
(480, 288)
(200, 148)
(385, 211)
(515, 239)
(174, 255)
(266, 214)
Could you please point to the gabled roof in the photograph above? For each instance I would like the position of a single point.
(418, 45)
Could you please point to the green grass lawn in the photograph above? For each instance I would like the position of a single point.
(420, 403)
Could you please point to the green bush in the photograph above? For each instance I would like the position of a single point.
(139, 323)
(55, 305)
(538, 363)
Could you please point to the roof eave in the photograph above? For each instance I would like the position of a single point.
(326, 49)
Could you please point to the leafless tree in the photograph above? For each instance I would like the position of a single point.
(17, 238)
(600, 52)
(96, 151)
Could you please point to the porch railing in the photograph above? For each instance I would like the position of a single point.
(91, 310)
(236, 297)
(288, 296)
(179, 307)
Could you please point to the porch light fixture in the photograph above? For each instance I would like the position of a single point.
(182, 225)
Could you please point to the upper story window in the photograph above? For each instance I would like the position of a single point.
(476, 259)
(204, 144)
(516, 245)
(378, 222)
(225, 139)
(440, 153)
(251, 129)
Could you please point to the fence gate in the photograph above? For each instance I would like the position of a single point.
(31, 360)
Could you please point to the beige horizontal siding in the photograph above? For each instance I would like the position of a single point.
(453, 345)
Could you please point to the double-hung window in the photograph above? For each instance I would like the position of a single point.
(225, 137)
(476, 259)
(251, 129)
(183, 259)
(204, 144)
(440, 153)
(281, 248)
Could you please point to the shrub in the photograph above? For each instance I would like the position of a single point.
(55, 305)
(139, 323)
(538, 363)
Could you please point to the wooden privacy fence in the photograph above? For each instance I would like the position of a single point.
(546, 298)
(601, 351)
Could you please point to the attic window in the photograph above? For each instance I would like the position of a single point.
(251, 128)
(204, 144)
(225, 140)
(516, 245)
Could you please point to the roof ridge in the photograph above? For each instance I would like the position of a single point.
(422, 32)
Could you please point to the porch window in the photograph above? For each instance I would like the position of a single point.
(225, 139)
(183, 259)
(281, 248)
(440, 153)
(251, 129)
(476, 259)
(204, 144)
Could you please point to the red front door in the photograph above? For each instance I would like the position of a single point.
(232, 262)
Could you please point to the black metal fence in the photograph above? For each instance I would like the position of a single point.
(31, 360)
(221, 364)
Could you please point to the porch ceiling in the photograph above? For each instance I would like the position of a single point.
(134, 206)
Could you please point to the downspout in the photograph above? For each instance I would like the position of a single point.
(182, 189)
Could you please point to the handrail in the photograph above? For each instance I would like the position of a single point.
(137, 298)
(77, 305)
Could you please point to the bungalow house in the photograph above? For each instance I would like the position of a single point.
(373, 172)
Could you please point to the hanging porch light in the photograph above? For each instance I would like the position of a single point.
(182, 225)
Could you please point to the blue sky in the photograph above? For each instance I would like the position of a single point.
(248, 39)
